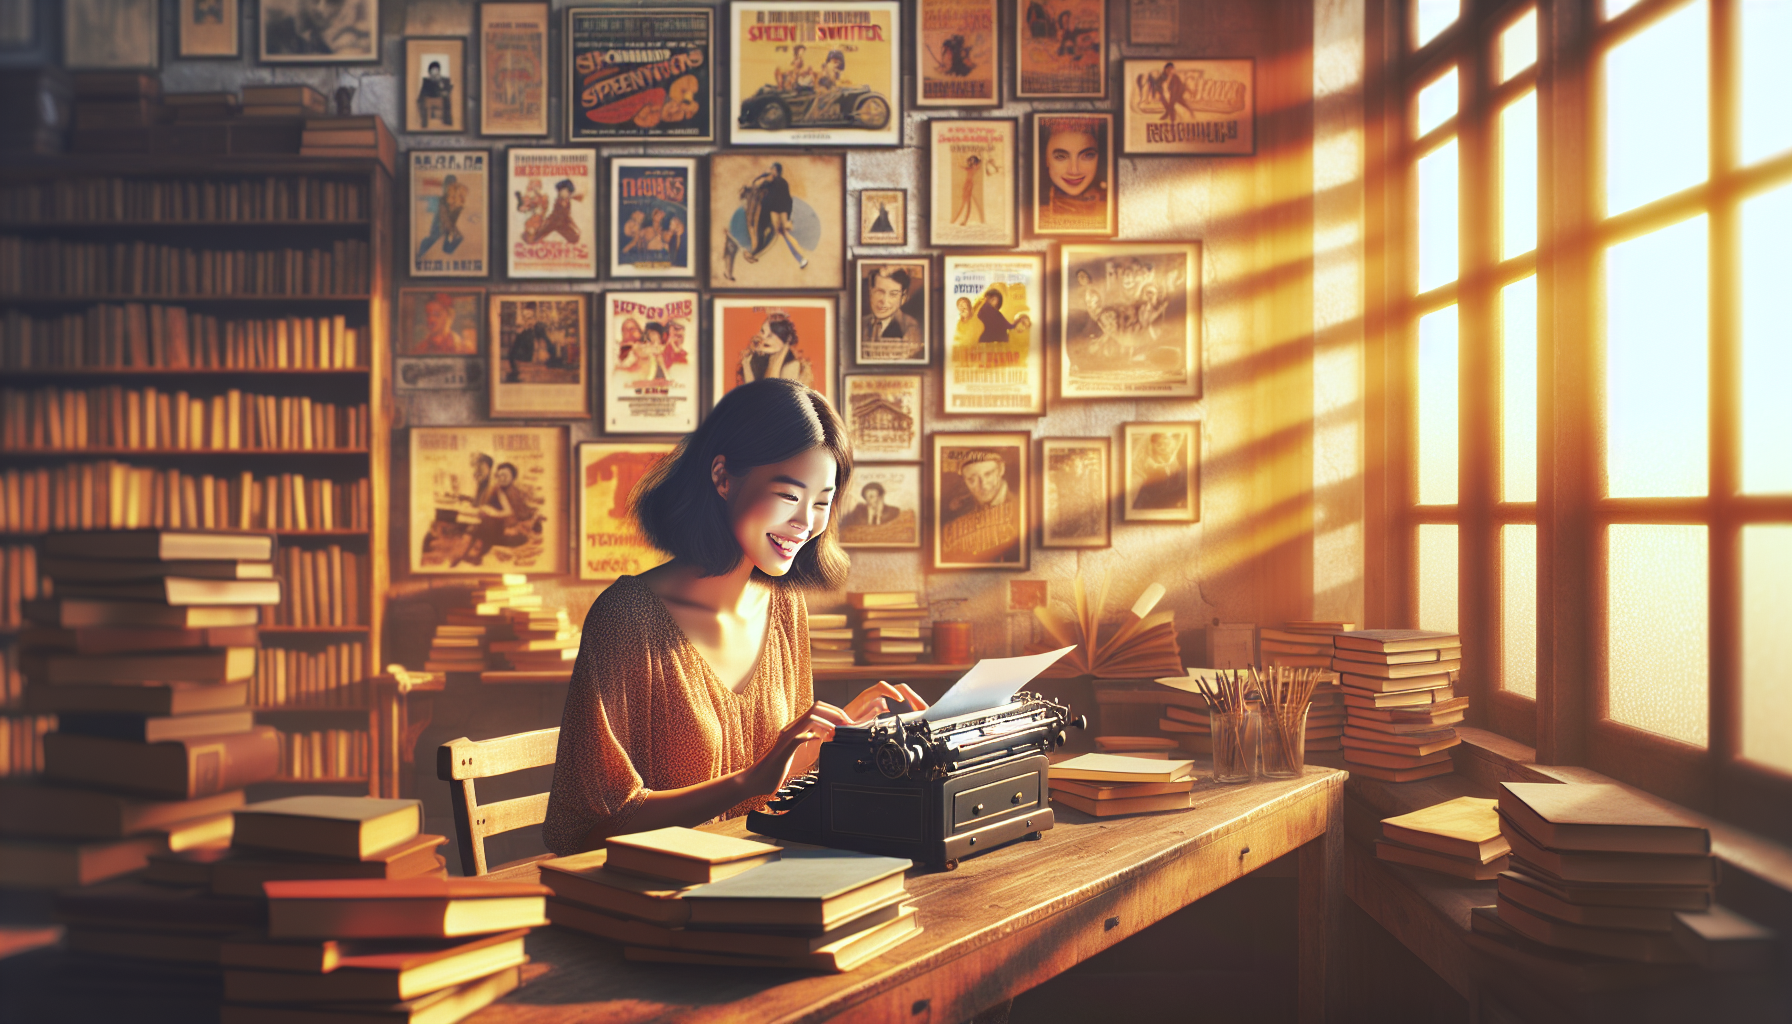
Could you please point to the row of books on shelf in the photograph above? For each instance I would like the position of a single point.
(319, 587)
(22, 743)
(276, 197)
(107, 494)
(325, 754)
(114, 416)
(56, 267)
(135, 335)
(19, 582)
(330, 677)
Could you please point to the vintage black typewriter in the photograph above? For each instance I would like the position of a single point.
(933, 792)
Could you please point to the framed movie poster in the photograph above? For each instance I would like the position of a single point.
(539, 369)
(643, 73)
(1074, 492)
(652, 221)
(995, 335)
(1153, 22)
(450, 213)
(1190, 107)
(488, 500)
(883, 216)
(1060, 49)
(1161, 474)
(209, 28)
(435, 84)
(551, 230)
(650, 362)
(972, 182)
(980, 487)
(808, 73)
(439, 321)
(513, 69)
(1129, 320)
(883, 509)
(314, 32)
(955, 58)
(1073, 192)
(763, 336)
(112, 35)
(883, 416)
(610, 539)
(895, 312)
(777, 220)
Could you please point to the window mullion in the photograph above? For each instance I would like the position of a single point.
(1478, 384)
(1725, 387)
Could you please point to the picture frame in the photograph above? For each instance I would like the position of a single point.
(883, 216)
(1129, 320)
(748, 247)
(1043, 32)
(520, 524)
(972, 173)
(513, 69)
(993, 325)
(980, 486)
(746, 343)
(884, 415)
(538, 355)
(644, 74)
(112, 35)
(18, 25)
(435, 90)
(550, 224)
(1161, 471)
(439, 322)
(893, 324)
(286, 37)
(610, 539)
(654, 223)
(786, 53)
(884, 506)
(1219, 97)
(450, 210)
(1153, 22)
(650, 362)
(1075, 193)
(957, 53)
(1076, 492)
(208, 29)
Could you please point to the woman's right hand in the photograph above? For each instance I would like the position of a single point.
(813, 726)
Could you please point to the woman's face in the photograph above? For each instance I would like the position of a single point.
(766, 343)
(776, 509)
(1072, 158)
(964, 309)
(506, 477)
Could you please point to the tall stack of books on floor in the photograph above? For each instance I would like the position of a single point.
(887, 627)
(1459, 837)
(1308, 644)
(1107, 785)
(677, 895)
(1399, 701)
(830, 639)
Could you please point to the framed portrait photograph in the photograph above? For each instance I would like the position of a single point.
(761, 336)
(1060, 49)
(883, 416)
(112, 35)
(995, 335)
(551, 226)
(450, 213)
(513, 69)
(980, 488)
(1073, 191)
(1161, 472)
(883, 216)
(777, 220)
(650, 362)
(1153, 22)
(815, 73)
(956, 54)
(1190, 107)
(537, 356)
(209, 28)
(610, 540)
(1129, 320)
(1075, 492)
(972, 182)
(644, 73)
(439, 321)
(319, 31)
(488, 499)
(882, 507)
(895, 311)
(435, 77)
(653, 224)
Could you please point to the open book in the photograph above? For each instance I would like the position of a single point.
(1143, 646)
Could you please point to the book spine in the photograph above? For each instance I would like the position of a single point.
(108, 494)
(58, 419)
(324, 754)
(330, 677)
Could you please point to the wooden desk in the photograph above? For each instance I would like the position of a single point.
(1002, 923)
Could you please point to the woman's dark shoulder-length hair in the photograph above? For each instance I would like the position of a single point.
(756, 424)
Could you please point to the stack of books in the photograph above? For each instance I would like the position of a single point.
(360, 136)
(1399, 701)
(1106, 785)
(203, 106)
(1459, 837)
(678, 895)
(830, 639)
(321, 837)
(1325, 718)
(1184, 714)
(1137, 746)
(1300, 644)
(282, 101)
(504, 626)
(110, 101)
(537, 641)
(887, 627)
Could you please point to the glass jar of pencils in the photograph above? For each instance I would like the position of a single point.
(1284, 740)
(1234, 736)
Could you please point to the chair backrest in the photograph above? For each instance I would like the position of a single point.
(462, 762)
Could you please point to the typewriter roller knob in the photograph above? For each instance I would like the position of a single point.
(892, 759)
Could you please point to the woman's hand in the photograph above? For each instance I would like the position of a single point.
(875, 700)
(796, 745)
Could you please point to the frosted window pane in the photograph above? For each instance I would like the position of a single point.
(1656, 122)
(1767, 342)
(1518, 389)
(1518, 610)
(1518, 176)
(1437, 102)
(1437, 577)
(1518, 45)
(1657, 638)
(1433, 16)
(1437, 408)
(1767, 645)
(1657, 364)
(1437, 217)
(1766, 78)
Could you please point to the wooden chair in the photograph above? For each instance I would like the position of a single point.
(462, 762)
